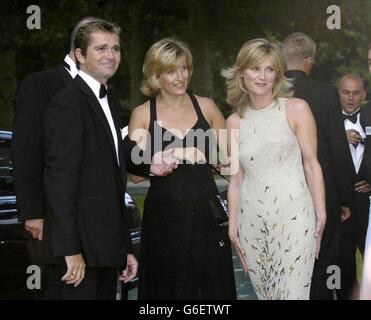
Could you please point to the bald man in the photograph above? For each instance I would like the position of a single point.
(353, 231)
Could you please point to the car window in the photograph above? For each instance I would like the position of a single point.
(6, 177)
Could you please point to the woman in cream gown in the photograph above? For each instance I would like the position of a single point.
(276, 194)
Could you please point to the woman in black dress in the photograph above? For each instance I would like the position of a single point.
(184, 254)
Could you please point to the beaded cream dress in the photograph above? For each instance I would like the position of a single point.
(277, 219)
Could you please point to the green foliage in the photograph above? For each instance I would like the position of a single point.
(228, 25)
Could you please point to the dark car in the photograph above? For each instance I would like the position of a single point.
(14, 240)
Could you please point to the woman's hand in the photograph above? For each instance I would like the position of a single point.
(190, 154)
(318, 234)
(239, 250)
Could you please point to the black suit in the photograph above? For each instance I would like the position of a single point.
(334, 158)
(34, 94)
(353, 231)
(365, 174)
(366, 121)
(84, 182)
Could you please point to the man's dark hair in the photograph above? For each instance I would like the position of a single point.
(82, 38)
(77, 26)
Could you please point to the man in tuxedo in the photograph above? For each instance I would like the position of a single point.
(85, 173)
(353, 231)
(35, 92)
(333, 155)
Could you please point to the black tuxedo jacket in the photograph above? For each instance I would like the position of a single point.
(84, 183)
(365, 120)
(34, 94)
(333, 150)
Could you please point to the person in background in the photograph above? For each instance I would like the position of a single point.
(352, 233)
(27, 148)
(333, 152)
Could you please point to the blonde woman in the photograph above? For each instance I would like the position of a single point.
(276, 194)
(184, 255)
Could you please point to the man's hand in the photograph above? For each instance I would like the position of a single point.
(362, 187)
(353, 136)
(131, 269)
(345, 214)
(163, 163)
(75, 269)
(35, 227)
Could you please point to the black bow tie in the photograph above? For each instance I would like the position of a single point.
(352, 118)
(102, 91)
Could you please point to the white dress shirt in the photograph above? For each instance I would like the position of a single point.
(73, 71)
(95, 86)
(357, 153)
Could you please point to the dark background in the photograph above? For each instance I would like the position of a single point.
(214, 29)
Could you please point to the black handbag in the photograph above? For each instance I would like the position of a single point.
(218, 203)
(219, 208)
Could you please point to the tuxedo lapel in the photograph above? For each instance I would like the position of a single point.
(116, 120)
(94, 104)
(363, 119)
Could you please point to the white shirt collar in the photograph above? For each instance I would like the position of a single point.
(92, 83)
(352, 112)
(73, 68)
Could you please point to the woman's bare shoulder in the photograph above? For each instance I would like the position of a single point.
(233, 121)
(140, 115)
(296, 105)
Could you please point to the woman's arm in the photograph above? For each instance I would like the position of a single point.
(139, 124)
(303, 124)
(217, 122)
(234, 189)
(135, 144)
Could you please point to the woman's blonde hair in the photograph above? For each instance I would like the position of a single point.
(163, 56)
(252, 54)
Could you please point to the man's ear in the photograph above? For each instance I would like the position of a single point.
(307, 62)
(79, 56)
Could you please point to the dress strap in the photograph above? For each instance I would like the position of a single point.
(151, 129)
(204, 124)
(196, 106)
(153, 111)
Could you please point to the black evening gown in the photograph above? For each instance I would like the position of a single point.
(184, 254)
